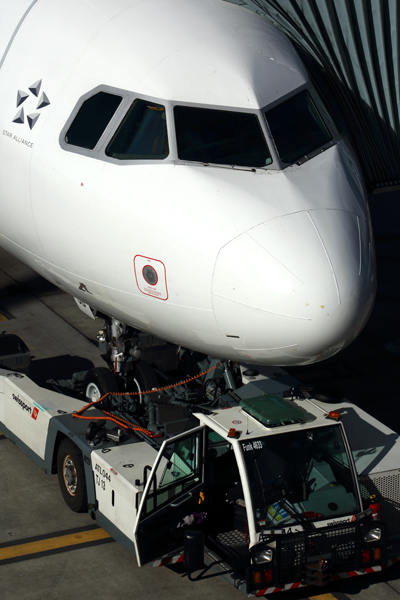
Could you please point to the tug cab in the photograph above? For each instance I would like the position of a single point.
(254, 478)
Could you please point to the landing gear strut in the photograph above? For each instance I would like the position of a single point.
(123, 347)
(129, 353)
(180, 382)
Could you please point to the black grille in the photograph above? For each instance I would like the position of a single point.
(295, 550)
(386, 487)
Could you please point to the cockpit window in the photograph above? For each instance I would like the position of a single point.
(142, 134)
(297, 127)
(220, 137)
(91, 120)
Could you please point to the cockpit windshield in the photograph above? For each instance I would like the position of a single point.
(297, 127)
(220, 137)
(298, 476)
(142, 133)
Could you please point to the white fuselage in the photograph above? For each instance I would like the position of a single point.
(269, 265)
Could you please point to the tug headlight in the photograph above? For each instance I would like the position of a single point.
(372, 535)
(263, 556)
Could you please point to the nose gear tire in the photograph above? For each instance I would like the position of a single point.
(99, 381)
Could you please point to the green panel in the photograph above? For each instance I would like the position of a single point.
(272, 410)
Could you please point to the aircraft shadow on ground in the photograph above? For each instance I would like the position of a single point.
(35, 285)
(60, 367)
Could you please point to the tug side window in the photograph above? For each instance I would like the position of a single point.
(142, 134)
(92, 119)
(178, 472)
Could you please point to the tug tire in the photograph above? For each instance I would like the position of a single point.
(71, 476)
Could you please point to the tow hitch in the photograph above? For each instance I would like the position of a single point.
(318, 571)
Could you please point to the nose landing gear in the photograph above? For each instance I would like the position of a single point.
(178, 382)
(99, 381)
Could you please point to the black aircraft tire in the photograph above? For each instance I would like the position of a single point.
(99, 381)
(71, 476)
(144, 377)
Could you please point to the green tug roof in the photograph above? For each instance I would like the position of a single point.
(273, 410)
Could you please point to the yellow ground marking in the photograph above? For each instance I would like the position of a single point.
(54, 543)
(323, 597)
(3, 318)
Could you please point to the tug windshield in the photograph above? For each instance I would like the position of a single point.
(220, 137)
(300, 476)
(297, 127)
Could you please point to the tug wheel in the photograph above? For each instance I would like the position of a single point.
(71, 476)
(99, 381)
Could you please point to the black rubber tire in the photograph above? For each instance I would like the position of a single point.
(71, 476)
(143, 377)
(101, 378)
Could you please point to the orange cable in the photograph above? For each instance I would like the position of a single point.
(123, 422)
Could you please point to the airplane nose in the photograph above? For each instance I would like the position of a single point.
(295, 289)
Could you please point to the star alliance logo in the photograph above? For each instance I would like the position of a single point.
(42, 102)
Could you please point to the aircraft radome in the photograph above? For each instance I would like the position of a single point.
(170, 165)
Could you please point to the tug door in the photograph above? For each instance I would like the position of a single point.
(171, 493)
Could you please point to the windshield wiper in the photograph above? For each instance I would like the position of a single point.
(311, 155)
(299, 517)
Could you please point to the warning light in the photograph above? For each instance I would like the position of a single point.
(268, 575)
(257, 577)
(232, 432)
(377, 553)
(334, 414)
(366, 556)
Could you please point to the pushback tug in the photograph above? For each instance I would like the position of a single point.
(272, 487)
